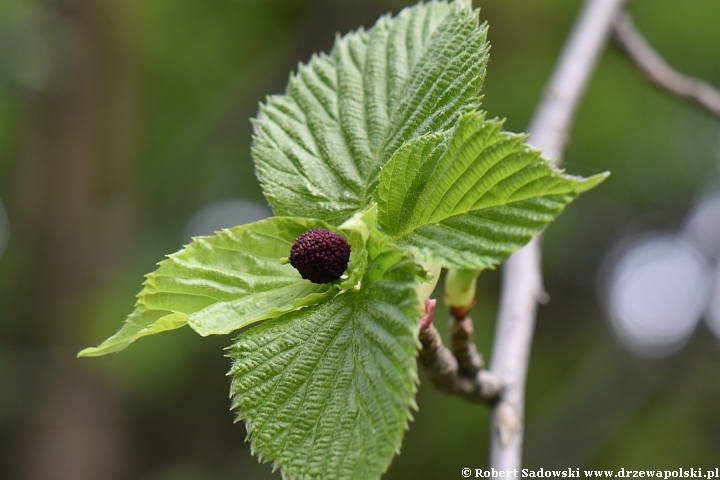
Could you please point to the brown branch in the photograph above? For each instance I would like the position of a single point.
(658, 71)
(443, 369)
(462, 344)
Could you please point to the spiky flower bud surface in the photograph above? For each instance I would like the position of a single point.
(320, 255)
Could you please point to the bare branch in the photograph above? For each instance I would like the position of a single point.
(658, 71)
(462, 344)
(441, 367)
(522, 284)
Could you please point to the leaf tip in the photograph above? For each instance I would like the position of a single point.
(86, 352)
(98, 351)
(589, 183)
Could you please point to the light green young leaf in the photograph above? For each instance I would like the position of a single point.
(468, 197)
(140, 323)
(221, 283)
(326, 391)
(319, 147)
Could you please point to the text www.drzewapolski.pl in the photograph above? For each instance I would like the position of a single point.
(707, 474)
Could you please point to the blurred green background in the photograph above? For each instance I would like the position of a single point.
(120, 119)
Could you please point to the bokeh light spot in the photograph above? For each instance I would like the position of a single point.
(703, 226)
(223, 214)
(713, 315)
(657, 293)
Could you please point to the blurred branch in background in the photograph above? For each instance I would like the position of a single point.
(4, 229)
(71, 211)
(522, 282)
(658, 71)
(549, 129)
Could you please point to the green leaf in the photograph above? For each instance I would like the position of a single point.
(469, 197)
(326, 391)
(319, 147)
(221, 283)
(140, 323)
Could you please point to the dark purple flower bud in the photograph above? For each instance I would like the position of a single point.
(320, 255)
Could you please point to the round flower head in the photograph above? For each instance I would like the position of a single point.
(320, 255)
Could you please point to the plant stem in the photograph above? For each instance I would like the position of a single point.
(443, 371)
(522, 282)
(462, 344)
